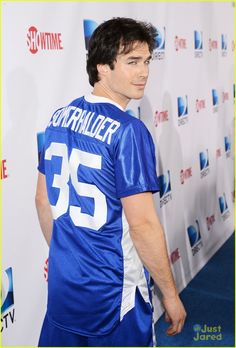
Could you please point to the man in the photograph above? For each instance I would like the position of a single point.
(95, 205)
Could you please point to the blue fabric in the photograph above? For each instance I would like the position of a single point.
(135, 330)
(94, 154)
(135, 160)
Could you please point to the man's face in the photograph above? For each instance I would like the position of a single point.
(129, 77)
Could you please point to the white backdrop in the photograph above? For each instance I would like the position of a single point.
(188, 107)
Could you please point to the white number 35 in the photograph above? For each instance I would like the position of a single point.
(69, 169)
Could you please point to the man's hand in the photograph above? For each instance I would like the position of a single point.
(174, 314)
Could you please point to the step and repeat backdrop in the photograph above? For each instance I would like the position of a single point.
(188, 107)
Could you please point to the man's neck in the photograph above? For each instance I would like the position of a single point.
(101, 90)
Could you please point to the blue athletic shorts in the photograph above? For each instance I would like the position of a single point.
(135, 330)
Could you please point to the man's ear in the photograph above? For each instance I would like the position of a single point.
(102, 69)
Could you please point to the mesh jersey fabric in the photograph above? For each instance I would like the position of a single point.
(94, 154)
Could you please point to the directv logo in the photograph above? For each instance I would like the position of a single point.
(160, 39)
(215, 100)
(160, 42)
(223, 204)
(182, 103)
(204, 163)
(132, 113)
(182, 106)
(40, 143)
(165, 188)
(215, 97)
(89, 27)
(204, 160)
(227, 146)
(198, 44)
(7, 300)
(224, 44)
(198, 40)
(224, 210)
(194, 237)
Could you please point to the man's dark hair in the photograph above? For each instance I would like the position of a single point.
(113, 35)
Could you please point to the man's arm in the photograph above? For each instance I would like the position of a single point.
(148, 237)
(43, 208)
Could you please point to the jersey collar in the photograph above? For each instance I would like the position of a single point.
(91, 98)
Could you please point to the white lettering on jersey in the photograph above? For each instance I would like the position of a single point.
(69, 170)
(85, 122)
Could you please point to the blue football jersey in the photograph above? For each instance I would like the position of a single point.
(95, 153)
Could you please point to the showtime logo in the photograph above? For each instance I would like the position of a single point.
(200, 104)
(210, 221)
(46, 41)
(4, 174)
(218, 153)
(160, 116)
(185, 174)
(233, 196)
(180, 43)
(225, 96)
(233, 45)
(175, 256)
(213, 45)
(45, 268)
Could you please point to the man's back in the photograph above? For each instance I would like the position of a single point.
(95, 154)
